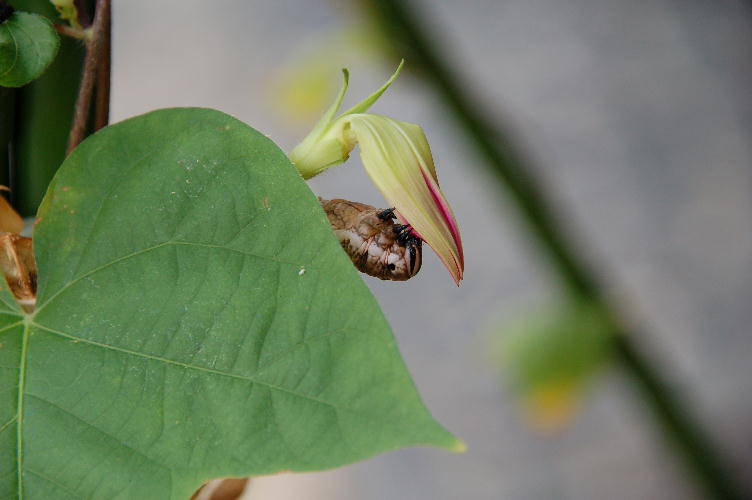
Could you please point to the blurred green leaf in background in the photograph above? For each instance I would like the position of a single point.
(549, 357)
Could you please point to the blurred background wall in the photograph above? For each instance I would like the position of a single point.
(639, 114)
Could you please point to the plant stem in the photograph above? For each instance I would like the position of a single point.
(514, 171)
(687, 437)
(71, 32)
(91, 61)
(102, 103)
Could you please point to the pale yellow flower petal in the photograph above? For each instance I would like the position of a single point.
(398, 159)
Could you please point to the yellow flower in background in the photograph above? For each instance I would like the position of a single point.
(301, 91)
(302, 86)
(397, 157)
(552, 407)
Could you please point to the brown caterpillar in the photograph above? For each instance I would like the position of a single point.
(376, 245)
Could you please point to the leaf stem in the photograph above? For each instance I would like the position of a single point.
(91, 62)
(515, 172)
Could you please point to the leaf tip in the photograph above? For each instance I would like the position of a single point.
(459, 446)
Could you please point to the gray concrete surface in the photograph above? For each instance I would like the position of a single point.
(639, 115)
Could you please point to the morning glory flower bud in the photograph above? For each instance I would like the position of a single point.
(397, 157)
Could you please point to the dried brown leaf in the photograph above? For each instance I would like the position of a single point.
(231, 488)
(10, 220)
(19, 268)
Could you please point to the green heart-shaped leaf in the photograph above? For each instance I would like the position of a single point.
(28, 44)
(195, 318)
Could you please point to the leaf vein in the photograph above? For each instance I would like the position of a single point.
(52, 481)
(13, 306)
(8, 423)
(95, 220)
(102, 431)
(188, 366)
(149, 249)
(11, 326)
(20, 408)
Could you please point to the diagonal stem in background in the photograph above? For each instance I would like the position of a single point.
(513, 170)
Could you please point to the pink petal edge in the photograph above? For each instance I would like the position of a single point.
(446, 212)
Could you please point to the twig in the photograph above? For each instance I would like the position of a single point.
(71, 32)
(85, 90)
(514, 171)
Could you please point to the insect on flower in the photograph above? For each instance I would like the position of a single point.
(376, 245)
(398, 159)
